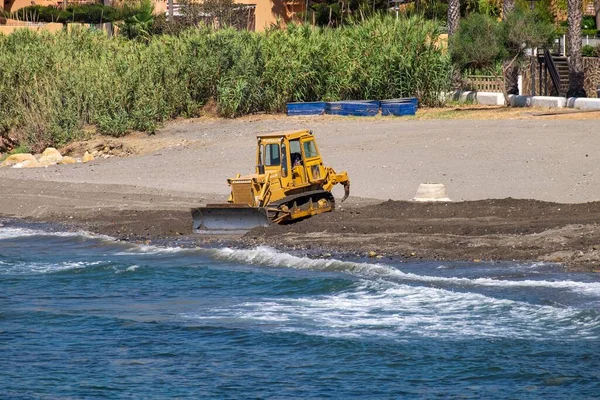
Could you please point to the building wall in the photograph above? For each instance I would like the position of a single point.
(14, 5)
(267, 12)
(53, 27)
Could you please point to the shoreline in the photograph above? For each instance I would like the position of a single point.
(495, 230)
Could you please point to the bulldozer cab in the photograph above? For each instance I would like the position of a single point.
(293, 157)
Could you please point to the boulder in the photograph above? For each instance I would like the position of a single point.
(67, 160)
(18, 158)
(50, 156)
(29, 163)
(87, 157)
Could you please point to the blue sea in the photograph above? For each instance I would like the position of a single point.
(84, 316)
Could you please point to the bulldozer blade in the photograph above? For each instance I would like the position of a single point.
(224, 219)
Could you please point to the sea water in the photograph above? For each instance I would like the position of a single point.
(85, 316)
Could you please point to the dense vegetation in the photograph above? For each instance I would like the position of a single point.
(54, 86)
(83, 13)
(482, 42)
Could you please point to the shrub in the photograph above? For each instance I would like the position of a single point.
(482, 42)
(588, 22)
(478, 43)
(588, 51)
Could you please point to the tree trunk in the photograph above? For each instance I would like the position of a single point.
(170, 9)
(507, 7)
(453, 16)
(597, 11)
(511, 69)
(575, 10)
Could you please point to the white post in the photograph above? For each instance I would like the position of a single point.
(564, 45)
(520, 84)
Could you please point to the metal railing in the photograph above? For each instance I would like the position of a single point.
(550, 68)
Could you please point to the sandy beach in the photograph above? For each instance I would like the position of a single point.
(147, 195)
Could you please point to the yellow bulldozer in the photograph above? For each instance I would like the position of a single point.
(290, 183)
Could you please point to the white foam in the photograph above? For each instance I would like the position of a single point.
(267, 256)
(45, 268)
(379, 308)
(12, 232)
(151, 249)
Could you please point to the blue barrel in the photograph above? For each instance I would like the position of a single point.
(308, 108)
(399, 107)
(359, 108)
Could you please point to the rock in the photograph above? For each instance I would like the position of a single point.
(18, 158)
(67, 160)
(28, 164)
(50, 156)
(87, 157)
(372, 254)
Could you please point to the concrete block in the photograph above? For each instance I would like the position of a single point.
(548, 102)
(490, 98)
(462, 97)
(431, 192)
(519, 101)
(584, 103)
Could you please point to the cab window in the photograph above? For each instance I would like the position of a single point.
(309, 149)
(272, 155)
(284, 163)
(295, 153)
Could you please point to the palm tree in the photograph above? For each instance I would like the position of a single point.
(575, 11)
(511, 70)
(453, 16)
(507, 7)
(597, 12)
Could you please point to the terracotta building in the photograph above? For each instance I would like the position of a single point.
(262, 13)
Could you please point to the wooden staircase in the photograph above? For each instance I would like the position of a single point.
(562, 66)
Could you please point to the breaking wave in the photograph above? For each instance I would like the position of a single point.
(45, 268)
(17, 232)
(397, 311)
(269, 257)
